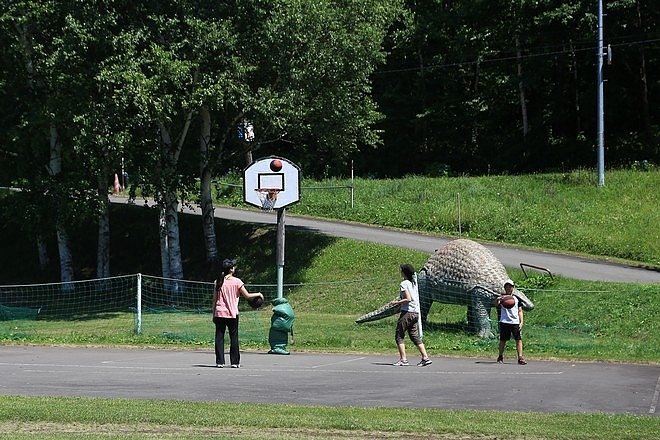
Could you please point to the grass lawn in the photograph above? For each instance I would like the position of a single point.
(85, 418)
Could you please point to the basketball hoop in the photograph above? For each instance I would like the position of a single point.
(271, 183)
(268, 197)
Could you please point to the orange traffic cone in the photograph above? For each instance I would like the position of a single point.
(117, 187)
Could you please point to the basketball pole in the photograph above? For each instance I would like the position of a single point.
(600, 123)
(272, 183)
(281, 216)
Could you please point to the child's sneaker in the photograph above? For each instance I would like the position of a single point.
(401, 363)
(500, 359)
(522, 361)
(424, 362)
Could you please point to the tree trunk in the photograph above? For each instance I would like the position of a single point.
(475, 116)
(206, 199)
(42, 249)
(644, 93)
(644, 87)
(421, 126)
(63, 245)
(164, 244)
(169, 217)
(578, 121)
(66, 259)
(248, 157)
(55, 161)
(173, 241)
(172, 287)
(521, 89)
(22, 33)
(54, 166)
(103, 245)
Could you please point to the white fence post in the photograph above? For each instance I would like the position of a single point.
(138, 320)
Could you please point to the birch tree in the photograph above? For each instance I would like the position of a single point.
(33, 29)
(298, 71)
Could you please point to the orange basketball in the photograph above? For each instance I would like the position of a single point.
(508, 301)
(256, 302)
(275, 165)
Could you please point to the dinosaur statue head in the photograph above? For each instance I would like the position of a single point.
(523, 300)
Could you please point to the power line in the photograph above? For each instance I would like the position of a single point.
(510, 58)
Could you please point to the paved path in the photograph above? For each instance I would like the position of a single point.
(330, 379)
(574, 267)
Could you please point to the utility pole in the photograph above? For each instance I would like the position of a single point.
(600, 111)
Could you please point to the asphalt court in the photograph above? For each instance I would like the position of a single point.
(331, 379)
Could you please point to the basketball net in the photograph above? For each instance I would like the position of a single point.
(267, 197)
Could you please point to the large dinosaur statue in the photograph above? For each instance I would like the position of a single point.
(461, 272)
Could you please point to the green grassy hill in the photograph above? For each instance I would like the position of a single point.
(562, 212)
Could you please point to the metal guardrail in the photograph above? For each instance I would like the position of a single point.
(543, 269)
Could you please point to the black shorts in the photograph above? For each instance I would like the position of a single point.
(507, 330)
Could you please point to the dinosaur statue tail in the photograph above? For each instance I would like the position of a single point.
(525, 302)
(383, 312)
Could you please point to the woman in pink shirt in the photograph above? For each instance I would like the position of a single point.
(228, 290)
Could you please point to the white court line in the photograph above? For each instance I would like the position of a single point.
(654, 402)
(392, 370)
(337, 363)
(107, 367)
(397, 371)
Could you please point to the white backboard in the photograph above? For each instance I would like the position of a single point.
(262, 174)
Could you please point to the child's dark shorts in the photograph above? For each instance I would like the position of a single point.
(508, 330)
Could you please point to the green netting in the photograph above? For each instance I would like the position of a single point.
(169, 311)
(171, 325)
(13, 313)
(179, 312)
